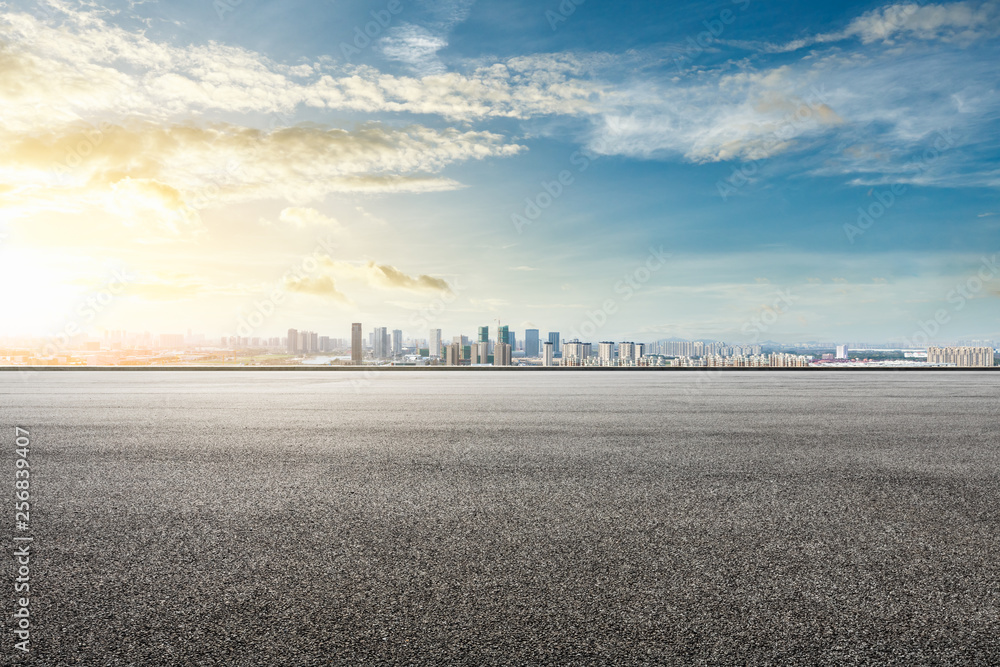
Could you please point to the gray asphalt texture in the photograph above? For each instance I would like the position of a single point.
(461, 518)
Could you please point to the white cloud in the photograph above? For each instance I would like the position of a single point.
(706, 115)
(84, 67)
(181, 169)
(386, 276)
(415, 46)
(961, 22)
(322, 286)
(298, 216)
(717, 117)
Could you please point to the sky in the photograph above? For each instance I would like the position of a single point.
(733, 170)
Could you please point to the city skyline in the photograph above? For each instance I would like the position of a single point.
(437, 338)
(700, 171)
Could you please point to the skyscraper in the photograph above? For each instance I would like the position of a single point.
(576, 353)
(502, 352)
(293, 341)
(356, 334)
(434, 343)
(547, 355)
(554, 339)
(531, 342)
(501, 355)
(627, 354)
(841, 352)
(381, 342)
(397, 343)
(605, 353)
(484, 335)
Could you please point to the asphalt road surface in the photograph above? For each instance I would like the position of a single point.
(273, 518)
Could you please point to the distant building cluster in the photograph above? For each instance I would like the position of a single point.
(961, 356)
(305, 342)
(773, 360)
(492, 345)
(576, 353)
(697, 348)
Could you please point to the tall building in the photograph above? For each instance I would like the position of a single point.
(474, 354)
(434, 343)
(356, 337)
(397, 343)
(484, 351)
(531, 342)
(548, 353)
(554, 339)
(172, 341)
(502, 351)
(960, 356)
(627, 354)
(484, 335)
(606, 353)
(313, 342)
(841, 352)
(380, 342)
(576, 353)
(501, 354)
(453, 354)
(293, 341)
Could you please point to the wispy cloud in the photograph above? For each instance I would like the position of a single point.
(322, 286)
(959, 22)
(182, 169)
(385, 276)
(298, 216)
(417, 47)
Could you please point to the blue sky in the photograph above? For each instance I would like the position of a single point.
(226, 155)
